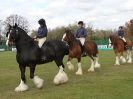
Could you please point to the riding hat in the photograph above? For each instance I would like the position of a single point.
(42, 22)
(81, 22)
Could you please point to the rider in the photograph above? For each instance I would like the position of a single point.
(42, 32)
(121, 34)
(81, 34)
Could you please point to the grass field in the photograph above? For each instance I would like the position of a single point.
(109, 82)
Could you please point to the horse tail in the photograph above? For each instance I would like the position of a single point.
(91, 48)
(66, 48)
(96, 49)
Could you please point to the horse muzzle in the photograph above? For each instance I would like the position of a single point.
(9, 43)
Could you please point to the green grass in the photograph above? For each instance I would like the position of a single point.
(109, 82)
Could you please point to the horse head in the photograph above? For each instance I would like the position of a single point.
(13, 34)
(68, 36)
(112, 38)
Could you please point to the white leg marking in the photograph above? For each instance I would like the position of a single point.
(38, 82)
(127, 58)
(63, 37)
(91, 69)
(117, 61)
(109, 44)
(70, 65)
(97, 65)
(79, 72)
(123, 60)
(130, 57)
(22, 87)
(61, 77)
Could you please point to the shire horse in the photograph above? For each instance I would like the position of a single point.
(76, 50)
(29, 55)
(119, 49)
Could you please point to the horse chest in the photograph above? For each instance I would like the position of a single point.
(26, 57)
(74, 51)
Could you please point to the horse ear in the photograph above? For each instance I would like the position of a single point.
(9, 26)
(15, 26)
(67, 30)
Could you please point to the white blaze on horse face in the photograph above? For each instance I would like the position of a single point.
(79, 72)
(61, 77)
(7, 41)
(22, 87)
(63, 37)
(38, 82)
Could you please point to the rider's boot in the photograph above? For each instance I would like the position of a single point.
(84, 52)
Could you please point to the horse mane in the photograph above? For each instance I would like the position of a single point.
(25, 34)
(71, 35)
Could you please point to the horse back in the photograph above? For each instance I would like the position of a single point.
(54, 49)
(91, 47)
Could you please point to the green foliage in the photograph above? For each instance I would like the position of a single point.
(56, 33)
(33, 33)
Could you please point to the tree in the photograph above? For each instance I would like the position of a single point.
(33, 33)
(0, 30)
(129, 28)
(19, 20)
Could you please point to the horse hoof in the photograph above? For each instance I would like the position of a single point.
(116, 64)
(129, 61)
(91, 70)
(97, 66)
(21, 88)
(123, 61)
(70, 67)
(38, 82)
(79, 73)
(60, 78)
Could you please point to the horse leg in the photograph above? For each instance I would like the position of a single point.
(129, 57)
(117, 60)
(22, 86)
(122, 58)
(37, 81)
(97, 65)
(79, 72)
(69, 64)
(92, 69)
(61, 76)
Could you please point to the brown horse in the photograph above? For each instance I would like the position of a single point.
(119, 49)
(76, 50)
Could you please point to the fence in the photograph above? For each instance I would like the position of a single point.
(4, 48)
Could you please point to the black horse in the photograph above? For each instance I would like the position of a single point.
(29, 55)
